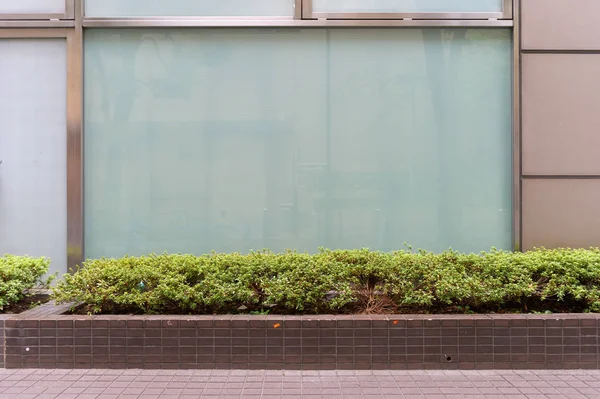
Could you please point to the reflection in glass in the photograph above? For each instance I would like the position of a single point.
(33, 149)
(240, 139)
(171, 8)
(399, 6)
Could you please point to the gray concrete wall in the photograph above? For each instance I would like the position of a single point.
(560, 130)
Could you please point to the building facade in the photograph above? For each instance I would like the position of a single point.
(130, 127)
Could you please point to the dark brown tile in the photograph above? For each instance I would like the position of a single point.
(29, 324)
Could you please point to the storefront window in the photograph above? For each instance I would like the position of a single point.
(238, 139)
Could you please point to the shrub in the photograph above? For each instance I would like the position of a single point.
(18, 275)
(360, 281)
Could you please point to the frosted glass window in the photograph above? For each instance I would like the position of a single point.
(399, 6)
(149, 8)
(32, 7)
(33, 126)
(240, 139)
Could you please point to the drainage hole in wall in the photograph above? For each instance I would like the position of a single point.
(449, 358)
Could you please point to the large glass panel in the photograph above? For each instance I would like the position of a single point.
(406, 6)
(33, 131)
(157, 8)
(239, 139)
(32, 7)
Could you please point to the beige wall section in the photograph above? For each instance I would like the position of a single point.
(560, 123)
(561, 114)
(560, 24)
(561, 213)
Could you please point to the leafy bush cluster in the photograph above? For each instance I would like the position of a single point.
(339, 282)
(18, 275)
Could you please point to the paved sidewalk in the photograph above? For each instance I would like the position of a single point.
(146, 384)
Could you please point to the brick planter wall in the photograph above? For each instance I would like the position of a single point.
(44, 338)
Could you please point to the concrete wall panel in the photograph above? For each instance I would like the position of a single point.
(561, 213)
(561, 114)
(560, 24)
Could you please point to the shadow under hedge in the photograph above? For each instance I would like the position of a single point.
(352, 281)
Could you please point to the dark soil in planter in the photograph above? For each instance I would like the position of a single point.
(531, 306)
(26, 304)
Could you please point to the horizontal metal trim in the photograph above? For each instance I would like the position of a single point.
(33, 17)
(597, 51)
(194, 18)
(34, 33)
(561, 177)
(413, 15)
(288, 22)
(36, 24)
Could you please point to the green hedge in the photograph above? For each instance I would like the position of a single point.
(18, 275)
(355, 281)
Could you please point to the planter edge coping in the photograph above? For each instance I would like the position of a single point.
(52, 311)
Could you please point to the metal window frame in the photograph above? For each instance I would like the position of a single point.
(69, 14)
(72, 30)
(75, 221)
(505, 14)
(517, 164)
(304, 18)
(184, 22)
